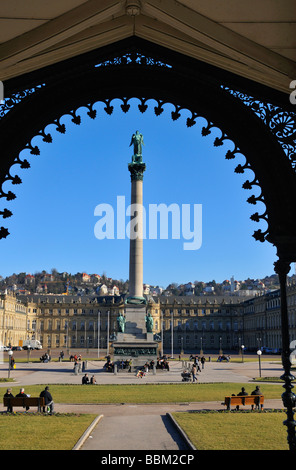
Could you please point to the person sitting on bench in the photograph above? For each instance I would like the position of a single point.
(241, 393)
(8, 394)
(257, 391)
(22, 395)
(48, 401)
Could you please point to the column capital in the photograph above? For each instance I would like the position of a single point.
(137, 171)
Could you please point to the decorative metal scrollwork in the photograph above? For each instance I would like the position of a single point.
(281, 123)
(16, 98)
(133, 58)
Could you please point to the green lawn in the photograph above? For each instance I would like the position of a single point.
(147, 393)
(42, 432)
(206, 430)
(235, 430)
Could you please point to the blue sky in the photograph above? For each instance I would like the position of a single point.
(53, 215)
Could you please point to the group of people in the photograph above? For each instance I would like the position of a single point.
(74, 357)
(109, 365)
(127, 364)
(86, 380)
(48, 401)
(222, 357)
(190, 374)
(192, 371)
(198, 361)
(162, 363)
(243, 392)
(45, 358)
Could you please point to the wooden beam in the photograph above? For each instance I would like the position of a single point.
(56, 30)
(167, 36)
(218, 37)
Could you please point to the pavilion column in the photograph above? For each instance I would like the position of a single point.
(289, 398)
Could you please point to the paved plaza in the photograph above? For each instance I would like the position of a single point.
(156, 431)
(63, 372)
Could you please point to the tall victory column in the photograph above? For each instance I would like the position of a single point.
(136, 168)
(135, 329)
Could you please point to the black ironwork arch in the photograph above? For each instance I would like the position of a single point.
(258, 121)
(136, 72)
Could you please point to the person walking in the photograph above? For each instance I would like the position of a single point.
(48, 401)
(193, 372)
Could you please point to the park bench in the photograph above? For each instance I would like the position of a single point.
(257, 400)
(24, 402)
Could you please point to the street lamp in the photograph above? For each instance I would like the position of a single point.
(99, 331)
(10, 353)
(108, 330)
(201, 350)
(220, 342)
(242, 349)
(172, 335)
(259, 352)
(162, 334)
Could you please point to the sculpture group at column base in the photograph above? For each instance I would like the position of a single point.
(138, 354)
(135, 344)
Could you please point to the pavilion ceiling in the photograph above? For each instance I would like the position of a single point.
(255, 40)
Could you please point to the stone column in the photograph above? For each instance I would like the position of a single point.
(136, 234)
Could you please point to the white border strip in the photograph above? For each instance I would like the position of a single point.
(86, 434)
(183, 434)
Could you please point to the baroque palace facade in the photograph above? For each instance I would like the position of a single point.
(189, 323)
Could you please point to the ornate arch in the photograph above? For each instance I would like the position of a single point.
(260, 122)
(136, 71)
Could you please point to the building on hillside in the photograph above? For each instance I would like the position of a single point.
(29, 279)
(85, 277)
